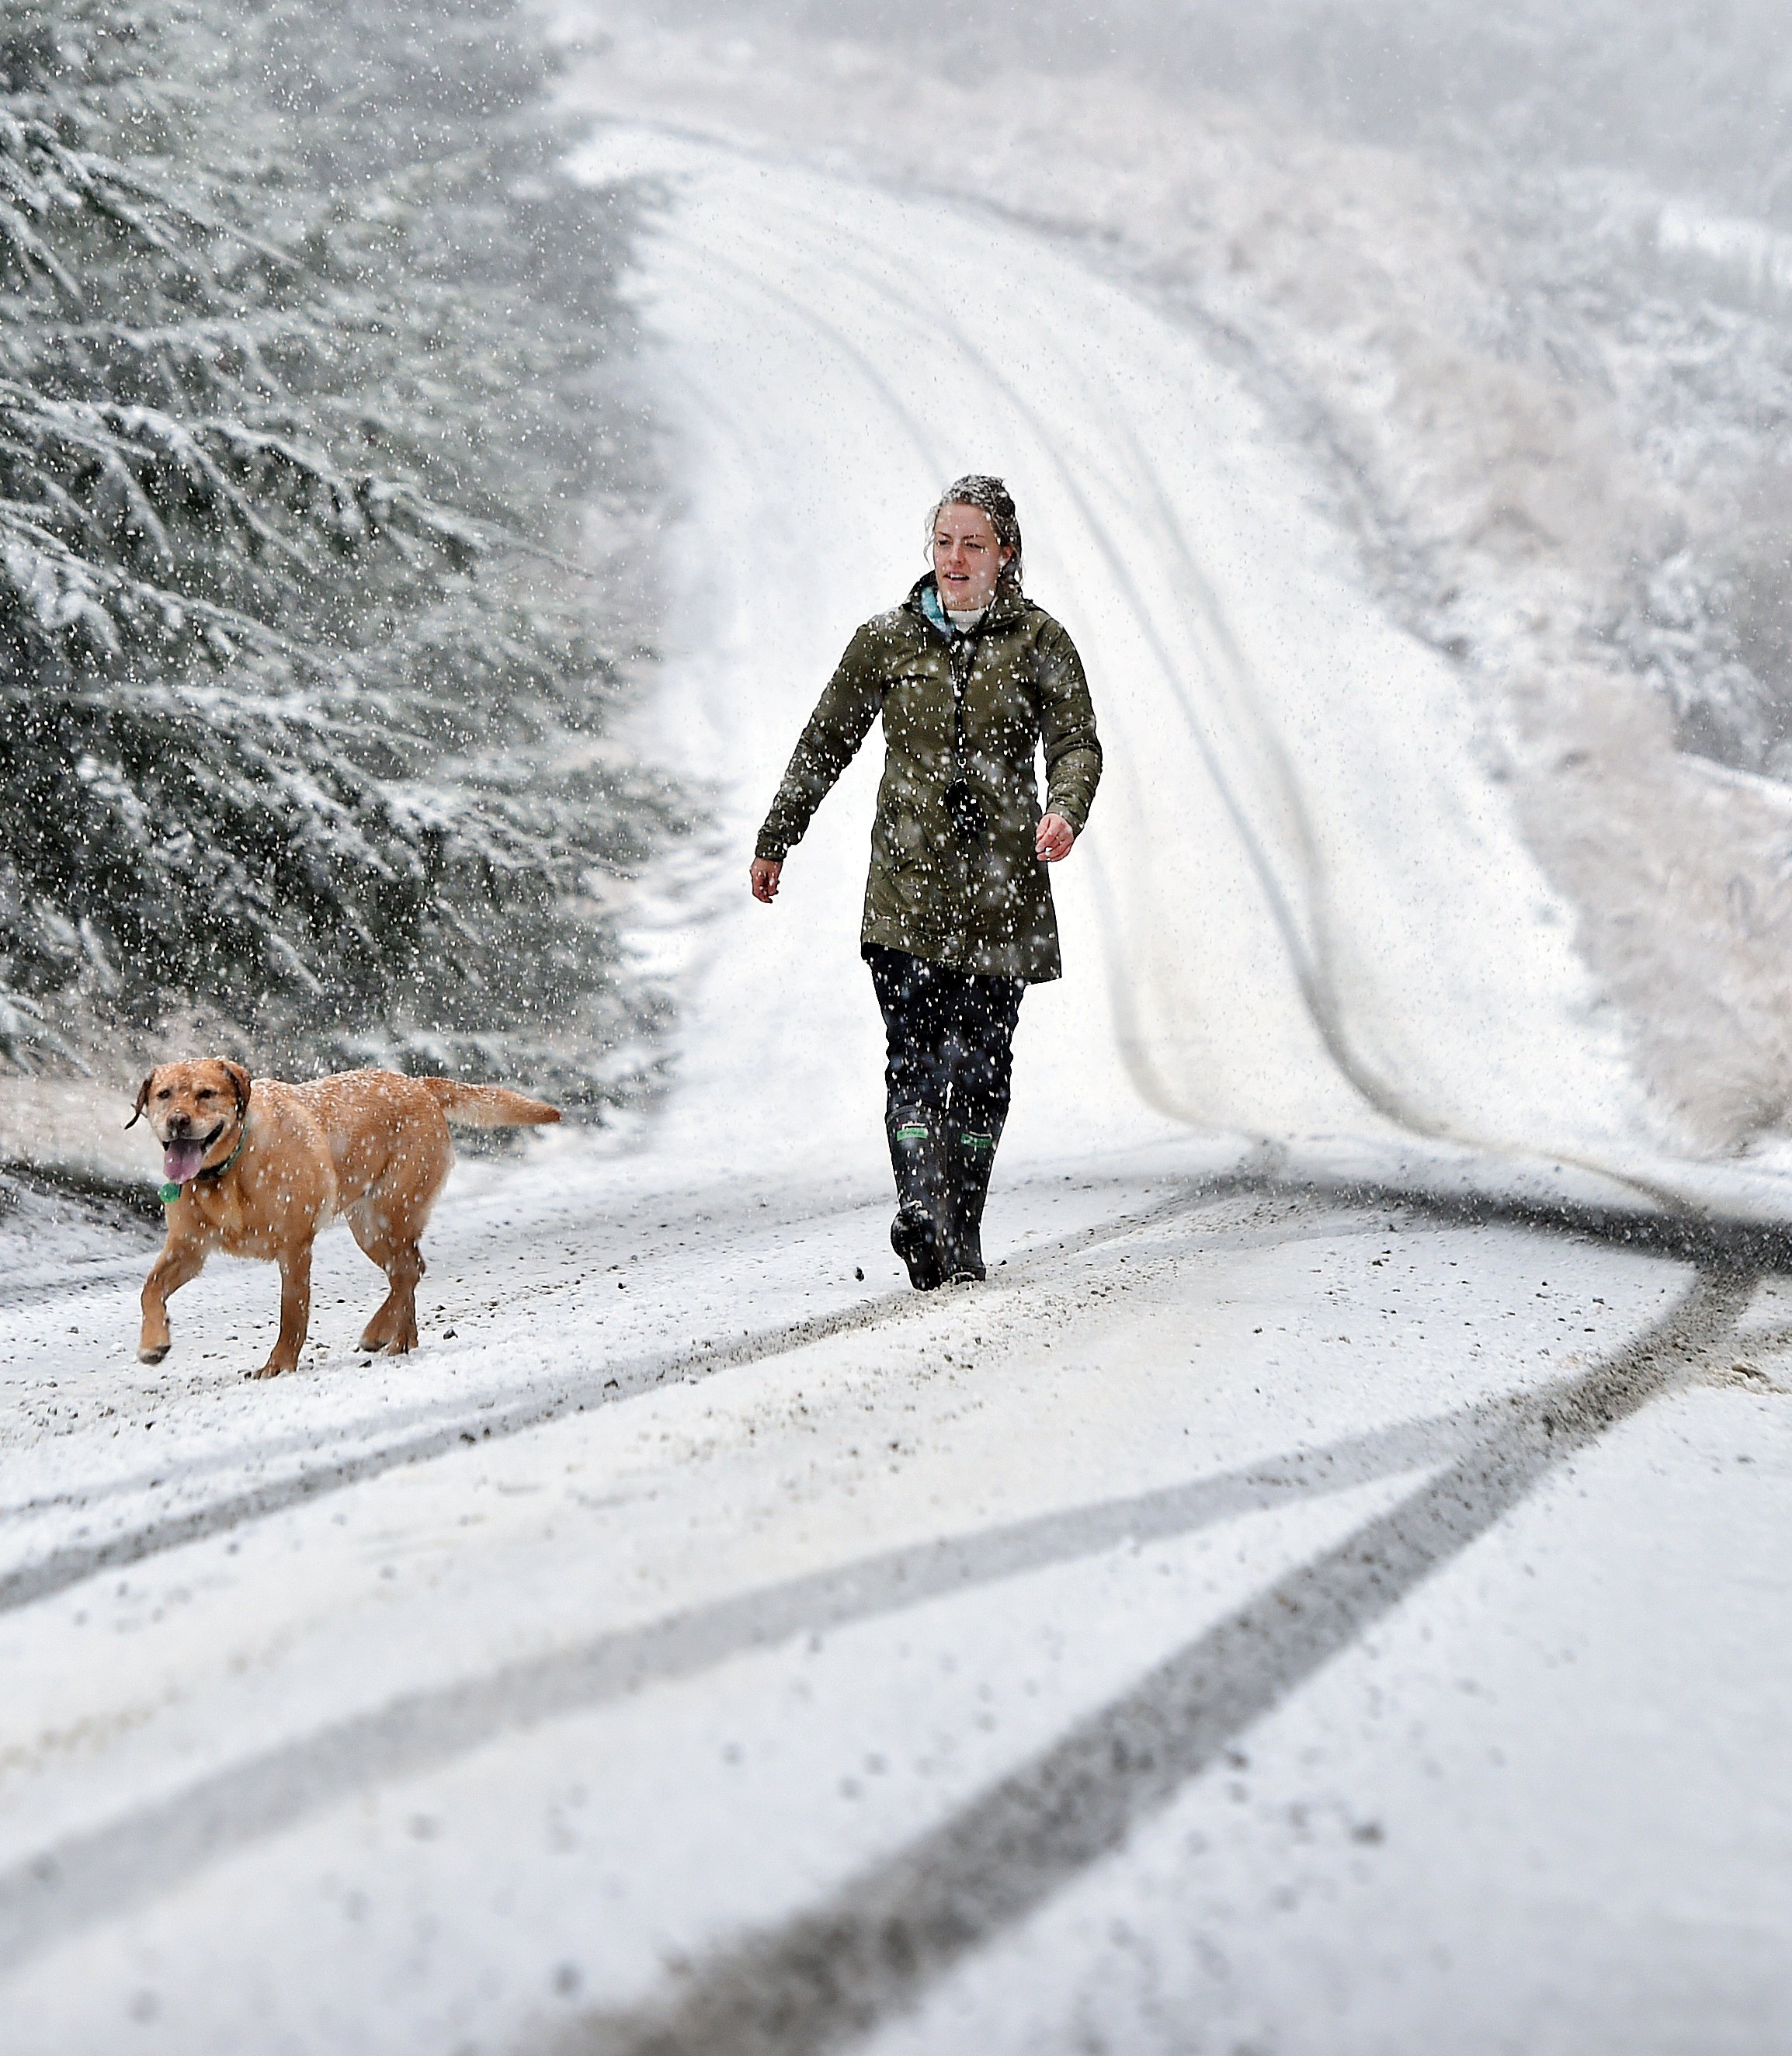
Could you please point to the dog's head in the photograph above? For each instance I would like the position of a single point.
(194, 1109)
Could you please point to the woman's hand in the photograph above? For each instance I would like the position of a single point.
(764, 879)
(1052, 839)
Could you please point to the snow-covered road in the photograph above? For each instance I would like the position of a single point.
(1304, 914)
(1309, 905)
(1258, 1618)
(1250, 1615)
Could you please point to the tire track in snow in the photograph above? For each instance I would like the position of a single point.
(475, 1235)
(876, 1945)
(515, 1245)
(38, 1289)
(90, 1877)
(60, 1569)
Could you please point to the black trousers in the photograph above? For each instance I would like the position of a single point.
(950, 1039)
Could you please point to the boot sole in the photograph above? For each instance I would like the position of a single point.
(917, 1241)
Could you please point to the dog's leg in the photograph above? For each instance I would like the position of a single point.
(378, 1331)
(375, 1239)
(389, 1225)
(178, 1264)
(405, 1271)
(393, 1328)
(296, 1311)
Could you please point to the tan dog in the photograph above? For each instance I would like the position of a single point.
(262, 1167)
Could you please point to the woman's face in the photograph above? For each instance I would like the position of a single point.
(967, 559)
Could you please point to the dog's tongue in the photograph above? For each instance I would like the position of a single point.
(180, 1160)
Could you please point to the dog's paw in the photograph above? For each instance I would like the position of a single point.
(271, 1369)
(154, 1355)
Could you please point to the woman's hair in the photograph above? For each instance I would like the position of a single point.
(992, 498)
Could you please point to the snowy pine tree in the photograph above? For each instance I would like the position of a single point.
(302, 354)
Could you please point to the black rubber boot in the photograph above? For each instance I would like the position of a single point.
(917, 1233)
(970, 1159)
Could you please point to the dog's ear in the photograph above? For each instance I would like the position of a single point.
(142, 1101)
(239, 1077)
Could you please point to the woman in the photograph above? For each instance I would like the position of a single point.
(971, 677)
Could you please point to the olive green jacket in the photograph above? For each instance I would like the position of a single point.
(979, 904)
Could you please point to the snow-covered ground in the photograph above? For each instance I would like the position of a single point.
(1249, 1620)
(1306, 1614)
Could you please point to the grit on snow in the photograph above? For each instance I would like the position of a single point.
(1315, 1598)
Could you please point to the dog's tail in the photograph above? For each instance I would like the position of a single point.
(487, 1106)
